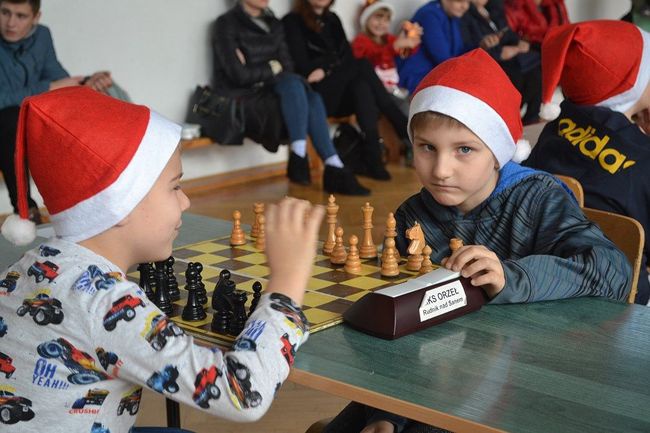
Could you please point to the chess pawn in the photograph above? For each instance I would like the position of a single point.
(390, 232)
(455, 243)
(368, 249)
(237, 237)
(257, 294)
(161, 297)
(145, 279)
(172, 284)
(193, 310)
(258, 208)
(260, 241)
(201, 293)
(389, 267)
(332, 209)
(238, 321)
(339, 255)
(427, 266)
(353, 263)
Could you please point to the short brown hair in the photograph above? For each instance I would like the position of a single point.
(426, 118)
(35, 4)
(306, 11)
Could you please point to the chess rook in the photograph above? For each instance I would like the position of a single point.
(258, 209)
(455, 243)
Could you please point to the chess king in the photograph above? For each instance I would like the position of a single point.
(109, 173)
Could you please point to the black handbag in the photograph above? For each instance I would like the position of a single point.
(221, 115)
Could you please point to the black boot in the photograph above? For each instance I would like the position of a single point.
(373, 164)
(342, 181)
(298, 169)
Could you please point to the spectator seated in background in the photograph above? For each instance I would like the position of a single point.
(250, 53)
(485, 26)
(531, 19)
(441, 39)
(600, 132)
(383, 49)
(322, 54)
(28, 66)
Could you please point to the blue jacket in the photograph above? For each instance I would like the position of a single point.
(441, 40)
(27, 67)
(548, 248)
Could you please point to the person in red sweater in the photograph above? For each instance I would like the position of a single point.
(531, 19)
(382, 48)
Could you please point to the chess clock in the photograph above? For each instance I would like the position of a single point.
(428, 300)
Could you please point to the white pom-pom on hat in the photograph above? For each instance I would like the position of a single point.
(549, 111)
(18, 231)
(522, 150)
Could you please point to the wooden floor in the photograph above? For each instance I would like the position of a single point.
(296, 407)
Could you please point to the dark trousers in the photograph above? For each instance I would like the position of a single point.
(354, 88)
(8, 126)
(529, 84)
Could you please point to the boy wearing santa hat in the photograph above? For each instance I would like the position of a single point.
(109, 173)
(525, 238)
(598, 134)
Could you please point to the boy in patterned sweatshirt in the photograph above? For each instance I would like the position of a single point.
(525, 237)
(109, 173)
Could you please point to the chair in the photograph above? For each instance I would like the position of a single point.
(318, 426)
(574, 186)
(627, 233)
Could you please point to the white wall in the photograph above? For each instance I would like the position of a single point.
(159, 50)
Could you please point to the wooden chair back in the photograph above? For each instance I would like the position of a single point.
(574, 186)
(627, 233)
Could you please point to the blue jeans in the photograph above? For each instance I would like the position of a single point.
(157, 430)
(304, 113)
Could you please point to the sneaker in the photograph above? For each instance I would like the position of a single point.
(342, 181)
(298, 169)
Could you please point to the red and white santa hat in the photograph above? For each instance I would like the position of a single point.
(370, 7)
(604, 63)
(92, 157)
(474, 90)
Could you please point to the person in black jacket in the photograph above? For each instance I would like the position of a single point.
(485, 26)
(322, 54)
(250, 53)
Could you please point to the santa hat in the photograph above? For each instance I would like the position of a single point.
(92, 157)
(604, 63)
(370, 7)
(474, 90)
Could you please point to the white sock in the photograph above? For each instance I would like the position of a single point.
(299, 147)
(334, 161)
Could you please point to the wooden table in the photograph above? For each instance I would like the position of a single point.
(580, 365)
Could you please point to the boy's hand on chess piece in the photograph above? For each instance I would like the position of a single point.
(379, 427)
(480, 265)
(291, 234)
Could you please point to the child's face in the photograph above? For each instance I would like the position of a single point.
(455, 8)
(454, 165)
(154, 223)
(378, 23)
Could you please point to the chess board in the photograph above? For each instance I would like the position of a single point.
(330, 290)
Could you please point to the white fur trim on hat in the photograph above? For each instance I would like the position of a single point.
(474, 113)
(369, 10)
(102, 211)
(549, 111)
(18, 231)
(626, 100)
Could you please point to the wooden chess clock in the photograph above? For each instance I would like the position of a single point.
(427, 300)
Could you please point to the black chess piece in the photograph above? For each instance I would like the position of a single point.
(145, 279)
(201, 292)
(221, 291)
(220, 321)
(161, 298)
(172, 284)
(257, 294)
(193, 310)
(238, 321)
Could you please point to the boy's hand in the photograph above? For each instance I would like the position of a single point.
(480, 265)
(100, 81)
(291, 229)
(379, 427)
(316, 75)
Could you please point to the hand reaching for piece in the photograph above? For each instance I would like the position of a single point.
(480, 265)
(291, 228)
